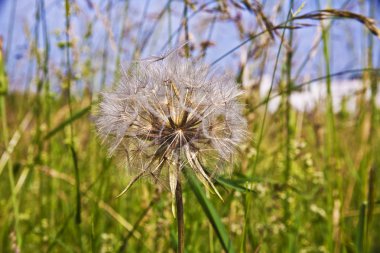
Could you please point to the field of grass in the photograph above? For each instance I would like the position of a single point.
(303, 181)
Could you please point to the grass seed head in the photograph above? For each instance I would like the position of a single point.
(169, 114)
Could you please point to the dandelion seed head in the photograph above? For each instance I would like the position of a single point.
(169, 114)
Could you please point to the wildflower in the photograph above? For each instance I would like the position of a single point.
(169, 114)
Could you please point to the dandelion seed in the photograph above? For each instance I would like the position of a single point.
(172, 114)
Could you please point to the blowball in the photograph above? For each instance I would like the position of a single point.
(169, 114)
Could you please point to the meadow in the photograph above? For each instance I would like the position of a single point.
(306, 178)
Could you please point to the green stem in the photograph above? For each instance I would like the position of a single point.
(186, 25)
(261, 131)
(4, 127)
(289, 134)
(330, 137)
(361, 228)
(11, 28)
(180, 220)
(289, 56)
(120, 43)
(72, 145)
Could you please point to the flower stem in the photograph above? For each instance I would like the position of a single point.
(180, 220)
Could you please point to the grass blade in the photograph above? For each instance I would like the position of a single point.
(211, 213)
(67, 122)
(361, 228)
(233, 184)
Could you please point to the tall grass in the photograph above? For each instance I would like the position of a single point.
(305, 181)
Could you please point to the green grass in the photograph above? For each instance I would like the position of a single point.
(303, 182)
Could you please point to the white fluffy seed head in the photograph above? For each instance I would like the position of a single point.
(169, 114)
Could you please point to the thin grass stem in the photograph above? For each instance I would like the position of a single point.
(180, 218)
(4, 127)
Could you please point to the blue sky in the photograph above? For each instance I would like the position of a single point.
(348, 39)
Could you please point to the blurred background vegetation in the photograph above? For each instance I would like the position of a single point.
(307, 180)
